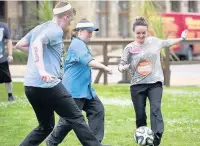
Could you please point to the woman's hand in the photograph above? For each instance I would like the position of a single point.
(184, 34)
(123, 67)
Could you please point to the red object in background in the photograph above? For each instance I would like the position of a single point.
(175, 23)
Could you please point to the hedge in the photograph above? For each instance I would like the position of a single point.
(19, 57)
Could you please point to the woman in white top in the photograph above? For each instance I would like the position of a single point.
(142, 57)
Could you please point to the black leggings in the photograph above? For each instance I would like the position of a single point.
(95, 114)
(47, 100)
(139, 94)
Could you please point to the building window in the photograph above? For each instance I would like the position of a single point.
(2, 10)
(123, 18)
(175, 6)
(192, 6)
(160, 5)
(102, 18)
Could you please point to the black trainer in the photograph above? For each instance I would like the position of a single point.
(157, 139)
(11, 98)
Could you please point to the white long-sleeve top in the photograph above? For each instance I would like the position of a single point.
(145, 66)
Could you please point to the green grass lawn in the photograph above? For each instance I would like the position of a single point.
(181, 112)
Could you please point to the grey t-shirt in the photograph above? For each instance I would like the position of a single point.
(51, 35)
(4, 35)
(145, 65)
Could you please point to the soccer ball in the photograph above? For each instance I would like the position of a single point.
(144, 136)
